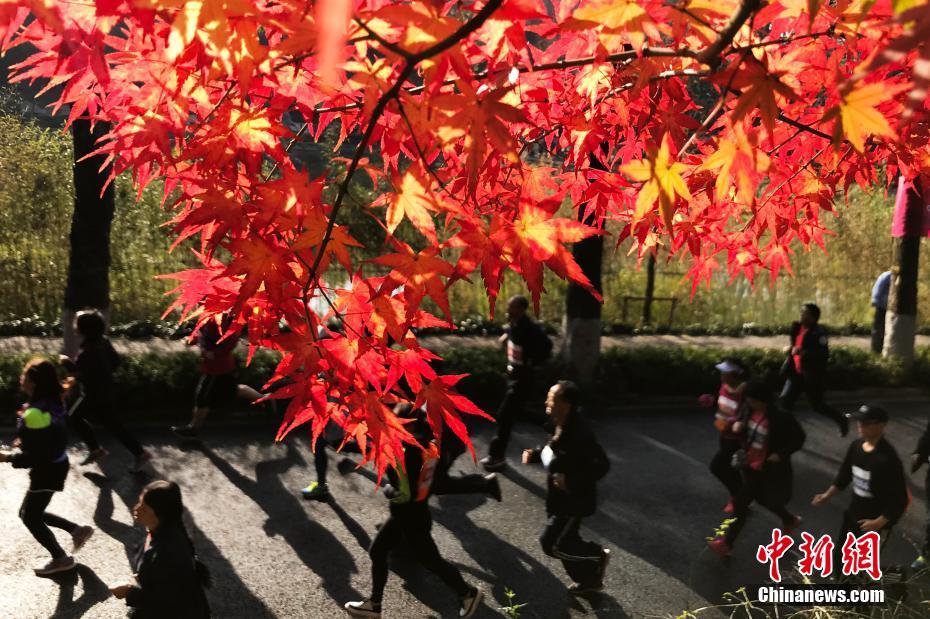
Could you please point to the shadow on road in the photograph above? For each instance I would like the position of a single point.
(93, 592)
(313, 543)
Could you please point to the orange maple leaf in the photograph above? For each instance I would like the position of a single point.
(856, 113)
(662, 183)
(413, 200)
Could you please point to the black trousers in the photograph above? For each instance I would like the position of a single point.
(722, 466)
(413, 522)
(101, 409)
(878, 331)
(851, 525)
(561, 539)
(753, 490)
(519, 388)
(37, 520)
(813, 387)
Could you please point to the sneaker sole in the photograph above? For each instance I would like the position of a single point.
(56, 570)
(476, 602)
(353, 612)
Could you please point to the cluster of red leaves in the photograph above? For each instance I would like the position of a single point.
(442, 102)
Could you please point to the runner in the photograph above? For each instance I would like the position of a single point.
(879, 495)
(527, 345)
(575, 462)
(920, 457)
(42, 439)
(93, 370)
(410, 519)
(168, 578)
(729, 404)
(217, 385)
(805, 369)
(764, 463)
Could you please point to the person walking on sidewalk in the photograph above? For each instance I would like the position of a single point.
(764, 463)
(217, 385)
(575, 462)
(879, 488)
(41, 438)
(527, 346)
(729, 405)
(93, 370)
(919, 458)
(880, 303)
(168, 578)
(410, 519)
(805, 369)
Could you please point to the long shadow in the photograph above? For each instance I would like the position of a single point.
(93, 591)
(313, 543)
(125, 534)
(229, 596)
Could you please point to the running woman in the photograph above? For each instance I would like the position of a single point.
(42, 438)
(93, 370)
(410, 520)
(764, 463)
(575, 462)
(729, 404)
(217, 385)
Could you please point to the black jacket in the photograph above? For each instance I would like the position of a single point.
(94, 367)
(578, 456)
(169, 583)
(43, 441)
(814, 350)
(785, 437)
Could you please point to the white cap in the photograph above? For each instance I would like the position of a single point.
(728, 366)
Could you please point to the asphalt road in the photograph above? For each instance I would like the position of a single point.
(275, 555)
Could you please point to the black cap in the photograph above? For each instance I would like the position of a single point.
(869, 413)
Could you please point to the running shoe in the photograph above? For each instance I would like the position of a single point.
(80, 536)
(490, 463)
(186, 433)
(720, 547)
(363, 609)
(316, 492)
(98, 454)
(729, 507)
(470, 603)
(577, 588)
(494, 486)
(62, 564)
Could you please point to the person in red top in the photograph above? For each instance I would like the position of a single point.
(764, 462)
(729, 405)
(217, 385)
(805, 368)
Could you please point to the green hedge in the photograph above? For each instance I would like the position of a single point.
(151, 383)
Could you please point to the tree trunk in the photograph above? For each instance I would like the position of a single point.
(581, 348)
(88, 283)
(650, 289)
(901, 318)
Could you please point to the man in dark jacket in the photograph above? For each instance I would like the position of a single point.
(527, 345)
(575, 463)
(873, 467)
(920, 457)
(805, 369)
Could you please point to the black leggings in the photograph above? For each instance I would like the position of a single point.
(722, 466)
(37, 520)
(413, 522)
(753, 489)
(519, 389)
(102, 410)
(561, 540)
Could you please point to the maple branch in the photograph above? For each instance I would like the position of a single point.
(803, 127)
(416, 143)
(793, 176)
(711, 55)
(394, 47)
(463, 31)
(782, 41)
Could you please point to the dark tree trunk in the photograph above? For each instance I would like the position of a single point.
(582, 325)
(650, 289)
(901, 318)
(88, 284)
